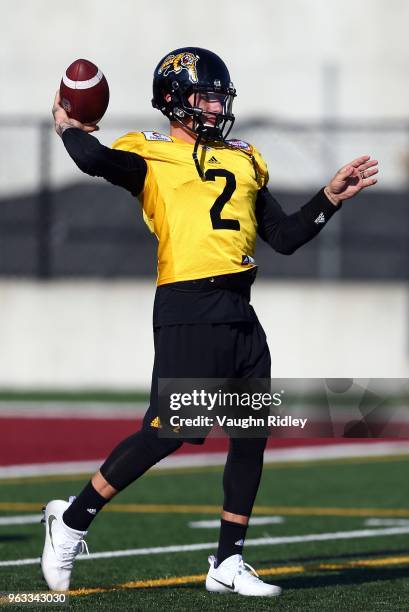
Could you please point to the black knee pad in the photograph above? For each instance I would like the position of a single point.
(134, 456)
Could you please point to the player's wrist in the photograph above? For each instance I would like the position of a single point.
(332, 197)
(61, 126)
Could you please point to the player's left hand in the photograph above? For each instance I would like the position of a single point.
(352, 178)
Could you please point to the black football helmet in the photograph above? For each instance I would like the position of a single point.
(191, 70)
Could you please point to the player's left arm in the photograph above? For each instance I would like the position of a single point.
(286, 233)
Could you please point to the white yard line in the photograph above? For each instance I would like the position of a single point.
(383, 522)
(267, 541)
(25, 519)
(255, 520)
(31, 519)
(300, 453)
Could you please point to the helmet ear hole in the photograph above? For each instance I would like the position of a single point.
(189, 91)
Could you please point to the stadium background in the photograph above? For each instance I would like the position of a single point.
(319, 83)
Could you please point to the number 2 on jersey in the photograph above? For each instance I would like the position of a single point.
(224, 197)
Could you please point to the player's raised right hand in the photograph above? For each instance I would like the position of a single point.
(62, 121)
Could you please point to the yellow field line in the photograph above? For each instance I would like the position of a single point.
(214, 509)
(272, 571)
(272, 465)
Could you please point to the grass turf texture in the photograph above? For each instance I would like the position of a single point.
(320, 576)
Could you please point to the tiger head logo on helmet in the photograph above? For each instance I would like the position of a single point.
(177, 63)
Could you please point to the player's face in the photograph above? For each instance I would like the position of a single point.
(214, 106)
(210, 103)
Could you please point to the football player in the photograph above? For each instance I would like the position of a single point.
(205, 197)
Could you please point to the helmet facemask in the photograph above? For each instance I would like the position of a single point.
(212, 123)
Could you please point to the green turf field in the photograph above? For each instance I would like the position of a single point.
(348, 574)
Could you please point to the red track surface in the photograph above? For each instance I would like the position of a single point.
(43, 440)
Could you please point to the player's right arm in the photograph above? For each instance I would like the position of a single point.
(122, 168)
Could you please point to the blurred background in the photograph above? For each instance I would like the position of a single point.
(319, 83)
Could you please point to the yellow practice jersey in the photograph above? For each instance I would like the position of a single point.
(204, 227)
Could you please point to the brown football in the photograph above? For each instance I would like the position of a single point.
(84, 92)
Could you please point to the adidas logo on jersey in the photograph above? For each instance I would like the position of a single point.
(92, 510)
(213, 160)
(320, 219)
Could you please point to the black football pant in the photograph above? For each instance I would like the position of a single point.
(222, 350)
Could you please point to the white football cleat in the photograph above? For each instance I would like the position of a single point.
(235, 576)
(62, 545)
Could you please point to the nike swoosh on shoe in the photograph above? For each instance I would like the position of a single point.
(228, 586)
(51, 519)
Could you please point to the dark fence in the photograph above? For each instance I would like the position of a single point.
(98, 231)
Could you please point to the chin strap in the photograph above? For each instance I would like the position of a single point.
(195, 158)
(256, 172)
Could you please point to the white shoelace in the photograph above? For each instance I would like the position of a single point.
(243, 566)
(70, 551)
(251, 574)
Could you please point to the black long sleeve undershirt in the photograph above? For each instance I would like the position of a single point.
(121, 168)
(284, 233)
